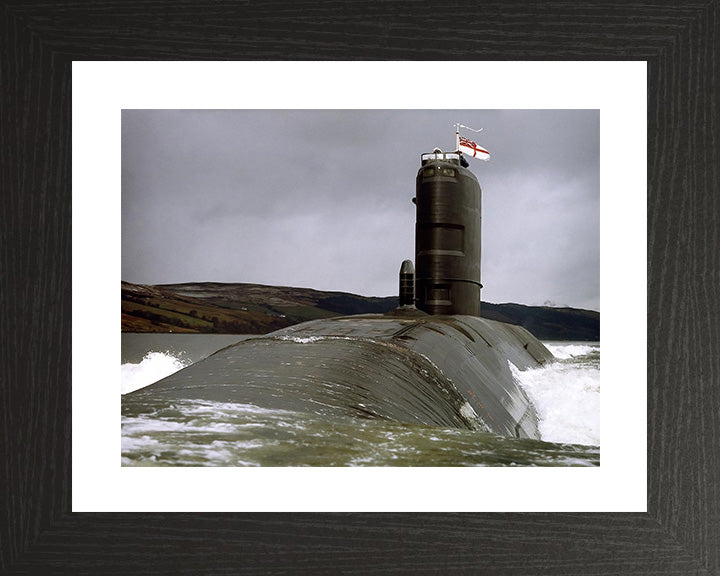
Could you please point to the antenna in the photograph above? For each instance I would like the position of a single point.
(468, 127)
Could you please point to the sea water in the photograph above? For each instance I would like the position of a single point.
(566, 395)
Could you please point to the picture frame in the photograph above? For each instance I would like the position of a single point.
(680, 532)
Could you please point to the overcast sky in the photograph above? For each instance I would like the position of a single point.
(322, 199)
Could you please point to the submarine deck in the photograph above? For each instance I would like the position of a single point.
(451, 371)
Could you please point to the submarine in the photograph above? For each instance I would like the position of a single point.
(432, 361)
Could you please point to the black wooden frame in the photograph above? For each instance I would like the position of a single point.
(680, 533)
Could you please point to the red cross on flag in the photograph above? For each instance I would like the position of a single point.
(469, 147)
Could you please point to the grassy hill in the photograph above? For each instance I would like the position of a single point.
(212, 307)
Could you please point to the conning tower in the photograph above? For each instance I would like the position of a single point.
(447, 236)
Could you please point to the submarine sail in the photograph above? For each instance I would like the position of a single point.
(447, 236)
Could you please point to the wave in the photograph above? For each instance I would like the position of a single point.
(205, 433)
(566, 396)
(153, 367)
(565, 351)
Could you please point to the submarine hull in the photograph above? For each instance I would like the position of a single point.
(450, 371)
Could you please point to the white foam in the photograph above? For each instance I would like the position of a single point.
(567, 400)
(566, 351)
(130, 443)
(153, 367)
(303, 340)
(149, 425)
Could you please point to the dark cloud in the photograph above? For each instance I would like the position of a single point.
(321, 198)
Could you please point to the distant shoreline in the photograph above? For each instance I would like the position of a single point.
(236, 308)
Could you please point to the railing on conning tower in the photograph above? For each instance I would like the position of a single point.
(427, 157)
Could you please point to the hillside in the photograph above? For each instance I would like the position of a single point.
(211, 307)
(547, 323)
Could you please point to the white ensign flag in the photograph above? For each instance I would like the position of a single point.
(470, 148)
